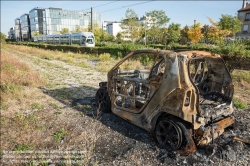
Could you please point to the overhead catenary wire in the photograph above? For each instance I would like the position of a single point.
(101, 5)
(127, 6)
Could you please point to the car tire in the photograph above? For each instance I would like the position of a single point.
(168, 134)
(103, 100)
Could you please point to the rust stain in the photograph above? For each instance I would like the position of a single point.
(224, 124)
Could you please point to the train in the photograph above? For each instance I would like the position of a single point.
(86, 39)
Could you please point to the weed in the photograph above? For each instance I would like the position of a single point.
(20, 117)
(37, 106)
(90, 74)
(104, 57)
(3, 106)
(3, 121)
(58, 112)
(23, 147)
(119, 55)
(86, 108)
(238, 104)
(83, 65)
(58, 135)
(55, 106)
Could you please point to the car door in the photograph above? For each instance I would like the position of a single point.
(132, 83)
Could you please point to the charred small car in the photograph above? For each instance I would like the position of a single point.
(183, 97)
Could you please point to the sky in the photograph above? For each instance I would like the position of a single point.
(182, 12)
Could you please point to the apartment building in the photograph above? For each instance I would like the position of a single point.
(244, 16)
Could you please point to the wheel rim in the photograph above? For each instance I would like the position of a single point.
(168, 134)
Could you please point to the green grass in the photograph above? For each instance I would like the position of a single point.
(58, 135)
(23, 147)
(37, 106)
(40, 128)
(55, 106)
(240, 105)
(58, 112)
(241, 75)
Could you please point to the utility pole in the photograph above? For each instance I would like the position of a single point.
(92, 18)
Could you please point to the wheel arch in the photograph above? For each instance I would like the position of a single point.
(186, 127)
(161, 115)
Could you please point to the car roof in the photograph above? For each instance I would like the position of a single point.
(191, 54)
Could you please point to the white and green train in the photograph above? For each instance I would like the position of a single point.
(86, 39)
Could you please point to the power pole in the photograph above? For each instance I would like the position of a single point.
(92, 18)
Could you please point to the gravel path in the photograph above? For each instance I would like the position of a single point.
(106, 138)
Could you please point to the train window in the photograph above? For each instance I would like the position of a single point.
(83, 39)
(90, 41)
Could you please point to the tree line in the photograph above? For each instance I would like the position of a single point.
(159, 33)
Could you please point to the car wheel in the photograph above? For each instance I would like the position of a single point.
(103, 100)
(168, 134)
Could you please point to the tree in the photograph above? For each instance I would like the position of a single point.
(205, 31)
(64, 31)
(78, 29)
(230, 23)
(194, 33)
(184, 35)
(119, 37)
(157, 20)
(35, 33)
(3, 37)
(174, 32)
(216, 34)
(130, 26)
(108, 37)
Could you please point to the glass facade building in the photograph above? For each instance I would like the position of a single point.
(25, 27)
(37, 20)
(17, 30)
(52, 20)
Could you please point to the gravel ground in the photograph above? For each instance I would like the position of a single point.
(114, 140)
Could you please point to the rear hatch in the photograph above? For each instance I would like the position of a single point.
(214, 85)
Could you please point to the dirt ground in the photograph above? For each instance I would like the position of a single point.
(61, 117)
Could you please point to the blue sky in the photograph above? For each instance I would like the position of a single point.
(182, 12)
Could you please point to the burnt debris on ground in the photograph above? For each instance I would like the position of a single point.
(225, 148)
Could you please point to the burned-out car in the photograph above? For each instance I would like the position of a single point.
(184, 97)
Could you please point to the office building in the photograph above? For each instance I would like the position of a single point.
(25, 27)
(11, 33)
(52, 20)
(17, 30)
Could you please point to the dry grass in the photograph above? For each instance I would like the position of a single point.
(15, 75)
(241, 80)
(77, 59)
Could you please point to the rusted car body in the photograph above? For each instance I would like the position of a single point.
(184, 98)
